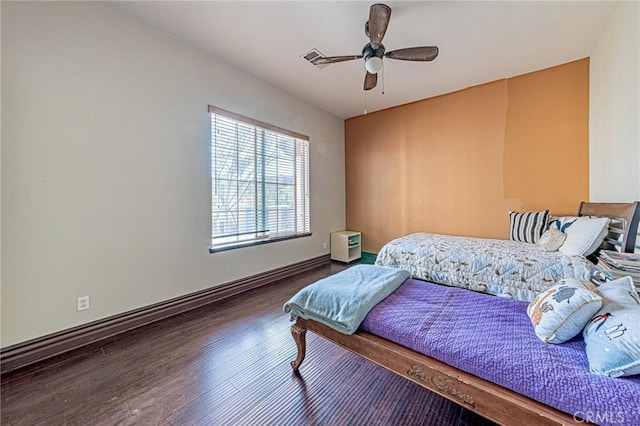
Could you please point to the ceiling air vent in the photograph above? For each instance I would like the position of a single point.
(312, 56)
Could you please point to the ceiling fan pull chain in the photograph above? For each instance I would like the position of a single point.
(365, 102)
(382, 78)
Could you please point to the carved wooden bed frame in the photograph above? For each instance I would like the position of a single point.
(481, 396)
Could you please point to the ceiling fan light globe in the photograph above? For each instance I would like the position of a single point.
(373, 64)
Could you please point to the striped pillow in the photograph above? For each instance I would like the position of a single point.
(527, 227)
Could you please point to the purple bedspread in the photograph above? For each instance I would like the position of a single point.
(492, 338)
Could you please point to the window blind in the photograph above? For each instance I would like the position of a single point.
(260, 181)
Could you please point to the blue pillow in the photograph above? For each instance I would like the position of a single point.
(613, 335)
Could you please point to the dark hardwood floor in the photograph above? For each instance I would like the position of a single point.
(224, 364)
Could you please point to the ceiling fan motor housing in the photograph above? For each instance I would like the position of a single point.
(368, 51)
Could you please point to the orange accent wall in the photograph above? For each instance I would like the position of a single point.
(458, 163)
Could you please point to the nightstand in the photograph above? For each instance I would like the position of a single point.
(346, 246)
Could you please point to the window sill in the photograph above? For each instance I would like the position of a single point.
(252, 243)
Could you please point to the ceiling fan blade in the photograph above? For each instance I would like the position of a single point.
(370, 81)
(379, 15)
(423, 53)
(334, 59)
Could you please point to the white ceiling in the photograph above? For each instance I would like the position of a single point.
(479, 42)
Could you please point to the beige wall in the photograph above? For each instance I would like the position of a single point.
(457, 163)
(615, 108)
(105, 166)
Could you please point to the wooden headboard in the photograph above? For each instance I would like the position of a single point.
(623, 227)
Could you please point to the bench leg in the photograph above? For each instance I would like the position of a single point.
(299, 335)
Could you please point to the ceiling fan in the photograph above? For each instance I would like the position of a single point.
(374, 51)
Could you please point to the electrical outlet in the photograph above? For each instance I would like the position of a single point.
(324, 245)
(82, 303)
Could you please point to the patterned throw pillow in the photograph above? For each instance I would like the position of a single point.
(613, 335)
(527, 227)
(562, 311)
(552, 239)
(584, 234)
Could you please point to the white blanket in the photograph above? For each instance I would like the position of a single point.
(500, 267)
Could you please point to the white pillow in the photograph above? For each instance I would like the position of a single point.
(562, 311)
(584, 234)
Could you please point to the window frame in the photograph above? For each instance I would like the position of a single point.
(268, 127)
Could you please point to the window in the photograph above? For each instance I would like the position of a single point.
(259, 182)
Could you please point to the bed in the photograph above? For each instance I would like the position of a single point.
(507, 268)
(453, 351)
(499, 267)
